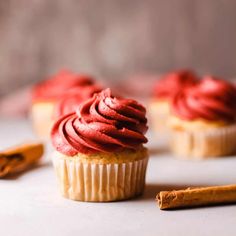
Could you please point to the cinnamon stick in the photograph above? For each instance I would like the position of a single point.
(19, 158)
(192, 197)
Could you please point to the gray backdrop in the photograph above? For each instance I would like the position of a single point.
(111, 38)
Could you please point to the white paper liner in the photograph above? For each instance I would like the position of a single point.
(94, 182)
(203, 144)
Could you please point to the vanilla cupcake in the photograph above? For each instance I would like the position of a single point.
(202, 120)
(164, 90)
(99, 153)
(47, 93)
(72, 98)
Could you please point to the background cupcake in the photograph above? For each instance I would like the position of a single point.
(164, 90)
(203, 120)
(46, 94)
(99, 149)
(72, 98)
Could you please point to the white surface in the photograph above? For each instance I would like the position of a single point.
(30, 204)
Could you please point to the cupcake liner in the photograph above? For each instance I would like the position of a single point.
(203, 144)
(95, 182)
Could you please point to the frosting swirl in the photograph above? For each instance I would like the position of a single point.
(57, 85)
(72, 99)
(212, 99)
(170, 84)
(101, 124)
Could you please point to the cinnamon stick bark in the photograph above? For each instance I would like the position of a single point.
(192, 197)
(20, 158)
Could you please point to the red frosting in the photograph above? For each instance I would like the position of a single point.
(72, 99)
(168, 86)
(212, 99)
(57, 85)
(101, 124)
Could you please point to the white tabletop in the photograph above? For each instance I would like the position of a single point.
(30, 204)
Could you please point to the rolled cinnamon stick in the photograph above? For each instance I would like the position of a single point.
(192, 197)
(19, 158)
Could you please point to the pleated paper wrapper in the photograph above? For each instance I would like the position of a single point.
(204, 144)
(94, 182)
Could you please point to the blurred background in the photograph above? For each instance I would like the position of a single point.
(114, 38)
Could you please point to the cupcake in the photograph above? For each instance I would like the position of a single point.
(72, 98)
(202, 120)
(99, 153)
(46, 94)
(164, 90)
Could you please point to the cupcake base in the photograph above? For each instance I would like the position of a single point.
(92, 181)
(158, 112)
(204, 144)
(41, 115)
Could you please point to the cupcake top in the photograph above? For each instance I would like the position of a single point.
(170, 84)
(103, 123)
(57, 85)
(72, 98)
(211, 100)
